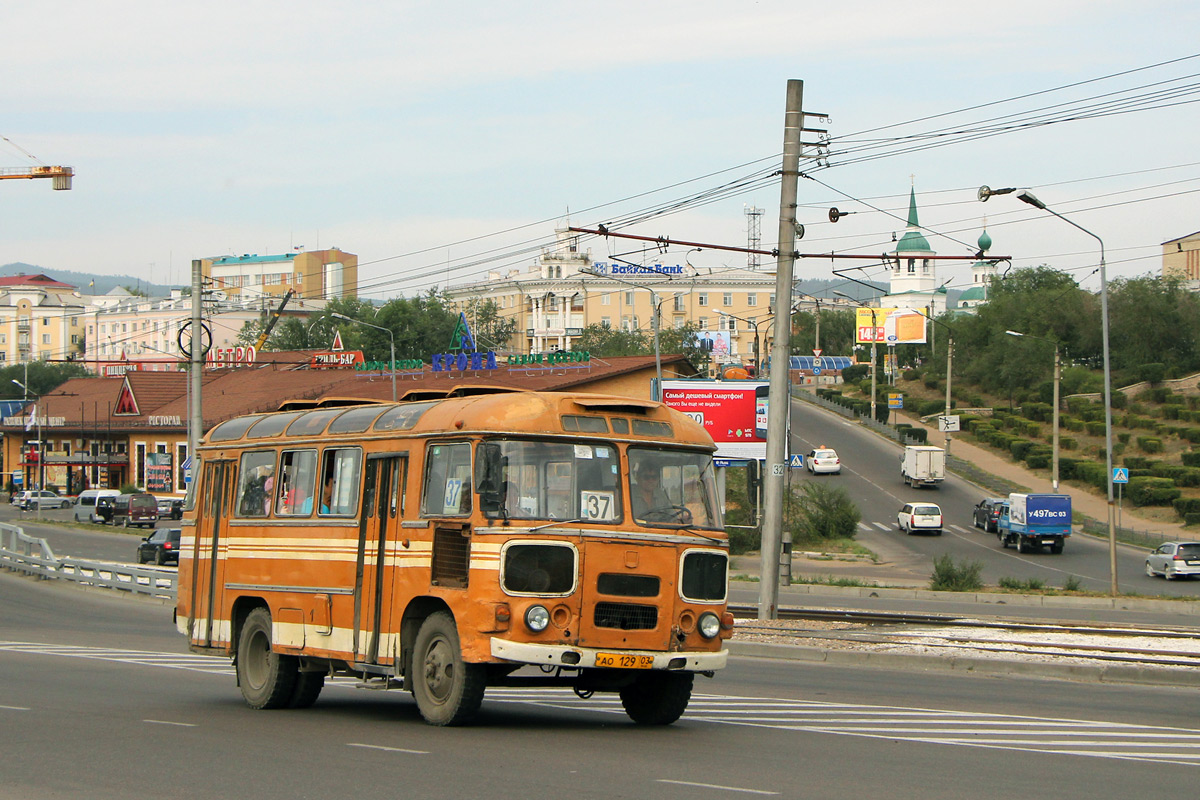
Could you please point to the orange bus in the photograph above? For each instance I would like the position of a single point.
(444, 546)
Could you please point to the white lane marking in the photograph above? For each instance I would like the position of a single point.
(881, 526)
(715, 786)
(960, 530)
(863, 526)
(166, 722)
(14, 708)
(387, 749)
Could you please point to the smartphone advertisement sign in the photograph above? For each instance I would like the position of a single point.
(734, 413)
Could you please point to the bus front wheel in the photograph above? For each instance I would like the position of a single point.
(448, 690)
(265, 677)
(657, 698)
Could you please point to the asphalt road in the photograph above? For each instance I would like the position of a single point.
(99, 699)
(871, 475)
(79, 539)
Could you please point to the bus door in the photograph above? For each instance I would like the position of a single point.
(383, 498)
(207, 566)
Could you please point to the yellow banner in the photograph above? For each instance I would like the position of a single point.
(889, 326)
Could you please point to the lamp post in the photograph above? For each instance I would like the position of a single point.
(391, 345)
(653, 320)
(753, 324)
(874, 338)
(1027, 196)
(1057, 383)
(817, 332)
(40, 449)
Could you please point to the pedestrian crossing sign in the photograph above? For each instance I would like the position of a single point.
(1120, 474)
(796, 461)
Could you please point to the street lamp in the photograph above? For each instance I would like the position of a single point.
(653, 318)
(40, 449)
(1057, 381)
(753, 325)
(874, 337)
(1026, 196)
(391, 344)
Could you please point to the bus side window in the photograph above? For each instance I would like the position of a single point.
(447, 485)
(298, 474)
(339, 481)
(256, 484)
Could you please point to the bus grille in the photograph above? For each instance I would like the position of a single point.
(626, 617)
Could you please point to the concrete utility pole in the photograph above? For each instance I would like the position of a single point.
(779, 396)
(195, 414)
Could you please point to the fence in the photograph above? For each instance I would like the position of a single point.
(20, 552)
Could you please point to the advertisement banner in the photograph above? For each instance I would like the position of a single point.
(158, 472)
(732, 412)
(889, 326)
(715, 342)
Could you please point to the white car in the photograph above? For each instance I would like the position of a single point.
(923, 517)
(1174, 560)
(822, 460)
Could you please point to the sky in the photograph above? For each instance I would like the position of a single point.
(440, 141)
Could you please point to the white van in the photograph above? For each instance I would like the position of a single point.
(85, 504)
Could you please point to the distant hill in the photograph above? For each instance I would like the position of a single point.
(104, 283)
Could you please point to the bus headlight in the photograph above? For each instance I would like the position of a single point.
(709, 625)
(537, 618)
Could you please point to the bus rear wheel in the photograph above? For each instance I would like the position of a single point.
(448, 690)
(657, 698)
(266, 678)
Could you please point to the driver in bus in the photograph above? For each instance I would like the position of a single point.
(647, 494)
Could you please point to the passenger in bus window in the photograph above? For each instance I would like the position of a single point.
(327, 494)
(647, 495)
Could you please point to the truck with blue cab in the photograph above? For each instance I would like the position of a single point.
(1033, 521)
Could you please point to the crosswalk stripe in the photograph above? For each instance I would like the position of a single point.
(1091, 738)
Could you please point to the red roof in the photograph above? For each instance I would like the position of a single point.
(36, 281)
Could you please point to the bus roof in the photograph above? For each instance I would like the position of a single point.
(510, 412)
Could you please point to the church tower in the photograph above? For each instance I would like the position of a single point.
(913, 275)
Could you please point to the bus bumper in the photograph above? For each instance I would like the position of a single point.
(585, 657)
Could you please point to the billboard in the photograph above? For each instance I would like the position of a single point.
(889, 326)
(717, 343)
(732, 412)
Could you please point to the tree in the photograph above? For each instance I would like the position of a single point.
(604, 340)
(43, 377)
(1153, 320)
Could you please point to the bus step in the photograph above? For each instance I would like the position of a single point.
(379, 683)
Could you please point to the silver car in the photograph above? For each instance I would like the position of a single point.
(1174, 560)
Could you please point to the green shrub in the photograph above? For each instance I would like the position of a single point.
(1152, 491)
(1073, 584)
(1191, 458)
(1073, 423)
(1067, 443)
(1150, 444)
(1095, 428)
(1172, 411)
(1192, 435)
(1039, 412)
(931, 382)
(1038, 460)
(826, 512)
(949, 576)
(1119, 400)
(1186, 505)
(1019, 448)
(910, 374)
(919, 434)
(1191, 519)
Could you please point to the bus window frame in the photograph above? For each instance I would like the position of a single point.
(466, 489)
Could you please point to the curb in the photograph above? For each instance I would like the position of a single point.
(1082, 673)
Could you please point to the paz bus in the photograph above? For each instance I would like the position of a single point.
(450, 545)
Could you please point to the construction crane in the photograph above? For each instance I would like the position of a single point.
(262, 338)
(60, 176)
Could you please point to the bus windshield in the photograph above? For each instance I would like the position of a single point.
(673, 487)
(549, 480)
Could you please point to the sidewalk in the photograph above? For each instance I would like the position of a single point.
(1082, 500)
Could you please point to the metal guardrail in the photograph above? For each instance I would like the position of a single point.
(20, 552)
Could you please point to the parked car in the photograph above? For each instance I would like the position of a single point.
(923, 517)
(170, 508)
(85, 504)
(1174, 560)
(104, 508)
(822, 460)
(134, 509)
(161, 547)
(43, 499)
(987, 513)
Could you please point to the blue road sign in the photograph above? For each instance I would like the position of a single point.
(796, 461)
(816, 370)
(1120, 475)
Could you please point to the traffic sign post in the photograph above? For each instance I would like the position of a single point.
(1120, 477)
